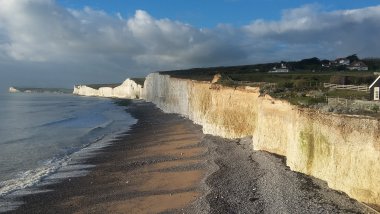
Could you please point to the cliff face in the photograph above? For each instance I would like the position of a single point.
(129, 89)
(342, 150)
(13, 90)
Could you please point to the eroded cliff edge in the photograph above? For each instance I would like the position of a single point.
(342, 150)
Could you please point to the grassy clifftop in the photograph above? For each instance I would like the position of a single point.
(301, 87)
(139, 81)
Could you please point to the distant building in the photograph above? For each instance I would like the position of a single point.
(374, 89)
(282, 69)
(342, 61)
(358, 65)
(326, 64)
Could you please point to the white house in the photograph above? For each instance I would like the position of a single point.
(282, 69)
(342, 61)
(358, 65)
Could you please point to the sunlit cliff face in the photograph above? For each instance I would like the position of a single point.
(342, 150)
(129, 89)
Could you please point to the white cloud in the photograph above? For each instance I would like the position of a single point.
(112, 47)
(325, 34)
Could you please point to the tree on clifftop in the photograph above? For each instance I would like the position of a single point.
(353, 58)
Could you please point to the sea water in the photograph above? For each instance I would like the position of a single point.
(41, 133)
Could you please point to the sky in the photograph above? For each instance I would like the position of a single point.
(59, 43)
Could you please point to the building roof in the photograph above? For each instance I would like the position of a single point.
(358, 64)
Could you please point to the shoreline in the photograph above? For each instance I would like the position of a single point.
(164, 163)
(156, 166)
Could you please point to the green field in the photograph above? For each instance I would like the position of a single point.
(303, 88)
(139, 81)
(303, 73)
(97, 86)
(290, 80)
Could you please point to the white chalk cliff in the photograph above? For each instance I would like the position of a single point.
(342, 150)
(128, 89)
(13, 90)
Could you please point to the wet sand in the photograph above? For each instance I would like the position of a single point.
(157, 166)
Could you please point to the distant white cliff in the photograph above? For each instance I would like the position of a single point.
(13, 90)
(128, 89)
